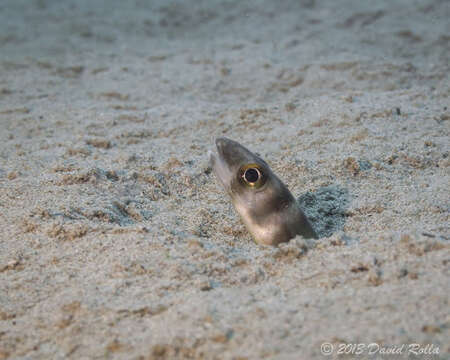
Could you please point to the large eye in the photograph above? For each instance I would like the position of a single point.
(252, 176)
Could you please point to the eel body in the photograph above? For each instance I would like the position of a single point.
(265, 205)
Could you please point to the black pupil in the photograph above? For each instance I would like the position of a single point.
(251, 175)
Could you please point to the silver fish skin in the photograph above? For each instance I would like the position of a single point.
(265, 205)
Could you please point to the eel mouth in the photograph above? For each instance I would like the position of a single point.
(220, 167)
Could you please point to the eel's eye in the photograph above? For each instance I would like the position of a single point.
(252, 176)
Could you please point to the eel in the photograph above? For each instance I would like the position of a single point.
(265, 205)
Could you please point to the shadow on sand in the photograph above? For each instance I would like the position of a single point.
(326, 208)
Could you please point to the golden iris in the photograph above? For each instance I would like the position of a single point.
(252, 176)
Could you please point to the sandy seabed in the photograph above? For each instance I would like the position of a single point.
(117, 241)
